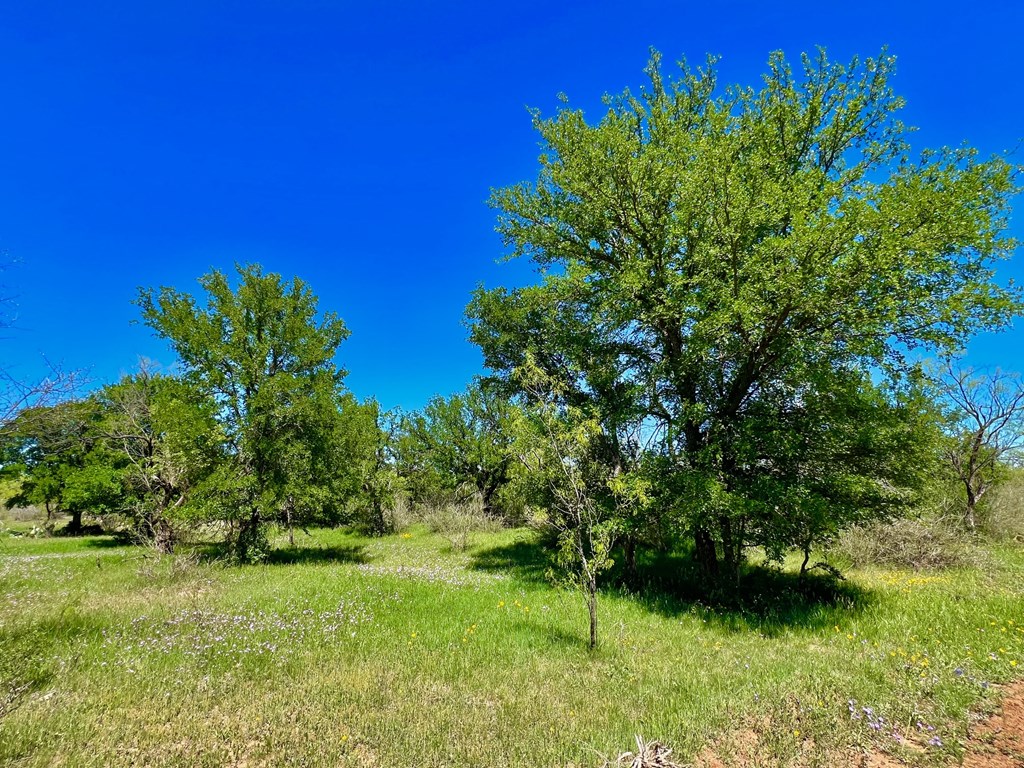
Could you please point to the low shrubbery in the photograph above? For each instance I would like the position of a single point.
(918, 543)
(457, 522)
(1002, 516)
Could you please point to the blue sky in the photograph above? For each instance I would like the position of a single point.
(354, 145)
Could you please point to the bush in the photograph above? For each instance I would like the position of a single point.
(1001, 517)
(401, 513)
(22, 514)
(457, 522)
(920, 544)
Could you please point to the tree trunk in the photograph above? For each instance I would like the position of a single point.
(163, 536)
(486, 491)
(592, 607)
(629, 547)
(75, 526)
(249, 545)
(731, 551)
(291, 528)
(970, 518)
(803, 565)
(704, 547)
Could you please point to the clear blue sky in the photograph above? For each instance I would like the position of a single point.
(354, 145)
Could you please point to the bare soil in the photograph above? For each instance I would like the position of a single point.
(996, 741)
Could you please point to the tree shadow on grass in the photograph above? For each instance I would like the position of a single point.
(767, 600)
(339, 553)
(207, 551)
(109, 541)
(67, 532)
(525, 560)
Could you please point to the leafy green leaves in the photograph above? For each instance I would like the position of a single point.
(714, 260)
(266, 356)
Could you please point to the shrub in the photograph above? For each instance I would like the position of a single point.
(920, 544)
(457, 522)
(1001, 517)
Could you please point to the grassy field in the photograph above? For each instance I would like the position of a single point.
(348, 651)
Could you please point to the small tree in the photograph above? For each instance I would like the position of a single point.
(64, 464)
(986, 418)
(166, 434)
(557, 447)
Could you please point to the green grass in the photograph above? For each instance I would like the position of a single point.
(400, 652)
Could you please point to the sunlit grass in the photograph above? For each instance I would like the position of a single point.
(402, 652)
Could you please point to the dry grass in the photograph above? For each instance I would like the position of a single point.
(1001, 516)
(457, 523)
(923, 544)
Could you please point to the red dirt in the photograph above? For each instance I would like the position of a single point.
(999, 741)
(996, 742)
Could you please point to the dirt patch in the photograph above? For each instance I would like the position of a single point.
(995, 742)
(998, 742)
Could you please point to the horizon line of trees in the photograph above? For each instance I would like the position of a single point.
(252, 434)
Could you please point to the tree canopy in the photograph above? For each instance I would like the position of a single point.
(716, 259)
(266, 356)
(64, 464)
(164, 435)
(458, 445)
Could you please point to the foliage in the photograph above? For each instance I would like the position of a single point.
(844, 452)
(266, 357)
(714, 259)
(558, 446)
(459, 447)
(458, 522)
(1001, 516)
(922, 544)
(9, 487)
(62, 461)
(165, 432)
(365, 445)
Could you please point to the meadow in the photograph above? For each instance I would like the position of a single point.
(402, 651)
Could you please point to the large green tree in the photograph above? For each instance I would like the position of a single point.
(714, 259)
(366, 446)
(265, 354)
